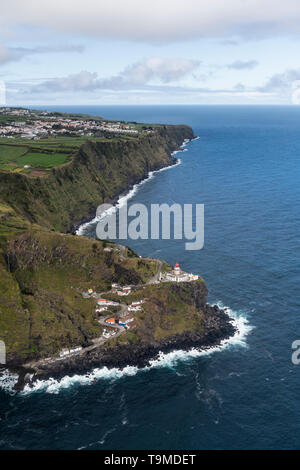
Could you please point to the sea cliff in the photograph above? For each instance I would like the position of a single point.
(45, 271)
(98, 172)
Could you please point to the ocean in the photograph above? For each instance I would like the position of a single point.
(245, 169)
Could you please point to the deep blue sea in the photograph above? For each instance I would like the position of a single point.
(245, 168)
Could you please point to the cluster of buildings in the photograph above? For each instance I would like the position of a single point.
(19, 112)
(177, 275)
(43, 124)
(126, 320)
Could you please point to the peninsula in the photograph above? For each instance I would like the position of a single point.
(69, 303)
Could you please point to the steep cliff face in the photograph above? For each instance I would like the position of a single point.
(98, 173)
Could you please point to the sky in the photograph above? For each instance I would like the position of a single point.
(72, 52)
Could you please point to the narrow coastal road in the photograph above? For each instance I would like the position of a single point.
(155, 279)
(122, 249)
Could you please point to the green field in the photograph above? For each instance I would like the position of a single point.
(13, 157)
(42, 159)
(11, 153)
(45, 153)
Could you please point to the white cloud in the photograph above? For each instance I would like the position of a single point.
(281, 81)
(5, 55)
(242, 65)
(156, 20)
(83, 80)
(13, 54)
(165, 70)
(140, 74)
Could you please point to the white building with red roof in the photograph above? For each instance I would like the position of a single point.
(177, 275)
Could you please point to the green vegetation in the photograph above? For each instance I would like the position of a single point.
(97, 172)
(10, 153)
(43, 275)
(43, 159)
(14, 157)
(44, 154)
(43, 272)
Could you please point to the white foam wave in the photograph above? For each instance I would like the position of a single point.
(55, 386)
(169, 360)
(242, 326)
(8, 381)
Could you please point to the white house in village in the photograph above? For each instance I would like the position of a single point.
(101, 309)
(125, 291)
(104, 302)
(68, 352)
(177, 275)
(137, 308)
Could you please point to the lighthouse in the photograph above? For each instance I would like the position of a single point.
(177, 275)
(177, 270)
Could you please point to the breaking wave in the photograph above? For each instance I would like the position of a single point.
(163, 360)
(8, 381)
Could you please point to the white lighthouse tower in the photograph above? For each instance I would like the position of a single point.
(177, 270)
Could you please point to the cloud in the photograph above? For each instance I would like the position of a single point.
(156, 20)
(5, 55)
(84, 86)
(281, 81)
(239, 87)
(243, 65)
(13, 54)
(140, 74)
(82, 81)
(285, 85)
(165, 70)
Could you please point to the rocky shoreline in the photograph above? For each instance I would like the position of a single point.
(218, 327)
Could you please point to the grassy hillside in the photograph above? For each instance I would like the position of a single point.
(43, 273)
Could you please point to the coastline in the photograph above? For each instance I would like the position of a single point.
(142, 356)
(127, 194)
(170, 356)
